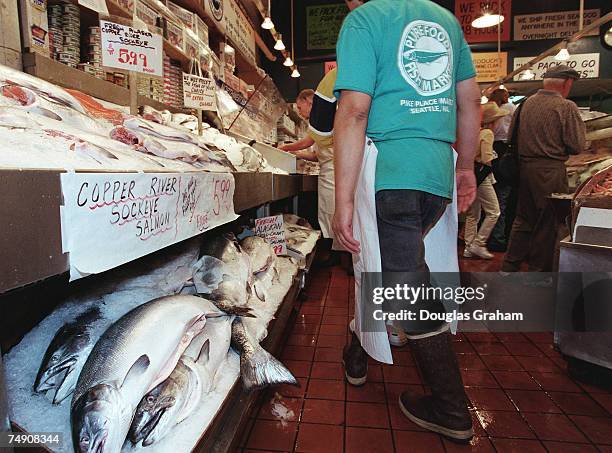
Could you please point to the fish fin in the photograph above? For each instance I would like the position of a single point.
(204, 355)
(230, 309)
(136, 370)
(259, 292)
(260, 369)
(46, 112)
(208, 274)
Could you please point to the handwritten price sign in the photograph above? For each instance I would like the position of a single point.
(133, 215)
(131, 49)
(272, 229)
(199, 92)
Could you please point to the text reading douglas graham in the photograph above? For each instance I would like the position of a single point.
(414, 294)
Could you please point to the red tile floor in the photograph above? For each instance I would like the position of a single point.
(522, 399)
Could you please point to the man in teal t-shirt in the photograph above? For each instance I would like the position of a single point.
(407, 81)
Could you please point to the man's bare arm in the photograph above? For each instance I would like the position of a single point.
(468, 128)
(304, 143)
(349, 140)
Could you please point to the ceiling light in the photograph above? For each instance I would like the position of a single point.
(267, 24)
(563, 55)
(484, 100)
(288, 61)
(502, 86)
(487, 20)
(279, 43)
(295, 73)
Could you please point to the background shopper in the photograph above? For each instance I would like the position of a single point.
(550, 129)
(486, 199)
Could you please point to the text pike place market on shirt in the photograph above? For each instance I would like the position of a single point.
(425, 62)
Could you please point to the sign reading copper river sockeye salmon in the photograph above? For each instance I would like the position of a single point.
(131, 49)
(110, 219)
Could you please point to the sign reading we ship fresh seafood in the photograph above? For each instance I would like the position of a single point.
(111, 219)
(131, 49)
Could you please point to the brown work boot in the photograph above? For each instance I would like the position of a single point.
(355, 361)
(445, 411)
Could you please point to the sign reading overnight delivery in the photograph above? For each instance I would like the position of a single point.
(109, 219)
(131, 49)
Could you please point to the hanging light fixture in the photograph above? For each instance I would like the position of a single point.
(487, 20)
(502, 86)
(295, 73)
(279, 42)
(267, 22)
(484, 99)
(288, 61)
(563, 54)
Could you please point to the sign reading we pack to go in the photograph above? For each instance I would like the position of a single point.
(131, 49)
(199, 92)
(272, 229)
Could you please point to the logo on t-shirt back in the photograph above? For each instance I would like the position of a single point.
(425, 57)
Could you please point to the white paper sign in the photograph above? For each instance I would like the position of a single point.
(239, 30)
(587, 64)
(112, 218)
(98, 6)
(555, 25)
(131, 49)
(272, 229)
(232, 22)
(199, 92)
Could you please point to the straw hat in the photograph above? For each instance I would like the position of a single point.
(491, 112)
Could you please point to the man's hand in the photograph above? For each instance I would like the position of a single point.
(282, 147)
(466, 188)
(342, 225)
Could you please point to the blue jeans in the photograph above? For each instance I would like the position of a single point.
(404, 217)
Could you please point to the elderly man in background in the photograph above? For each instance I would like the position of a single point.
(550, 130)
(506, 193)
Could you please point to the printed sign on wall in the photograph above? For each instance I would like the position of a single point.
(468, 10)
(329, 65)
(231, 21)
(131, 49)
(323, 24)
(272, 229)
(587, 64)
(555, 25)
(199, 92)
(110, 219)
(489, 68)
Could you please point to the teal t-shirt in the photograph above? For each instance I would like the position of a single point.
(408, 56)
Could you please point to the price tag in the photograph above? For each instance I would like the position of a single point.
(131, 49)
(272, 229)
(199, 92)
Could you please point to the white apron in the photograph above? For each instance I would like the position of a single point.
(326, 194)
(440, 248)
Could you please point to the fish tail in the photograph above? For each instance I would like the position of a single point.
(260, 369)
(229, 309)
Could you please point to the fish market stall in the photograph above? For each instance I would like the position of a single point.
(111, 298)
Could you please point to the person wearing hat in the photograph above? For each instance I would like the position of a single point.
(486, 199)
(549, 131)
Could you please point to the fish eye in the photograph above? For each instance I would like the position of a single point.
(85, 440)
(150, 399)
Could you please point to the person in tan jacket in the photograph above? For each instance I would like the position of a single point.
(486, 199)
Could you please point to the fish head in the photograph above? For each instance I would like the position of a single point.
(97, 419)
(54, 370)
(149, 415)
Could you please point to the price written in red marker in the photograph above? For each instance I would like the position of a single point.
(221, 194)
(130, 57)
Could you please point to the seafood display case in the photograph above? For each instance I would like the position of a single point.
(588, 251)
